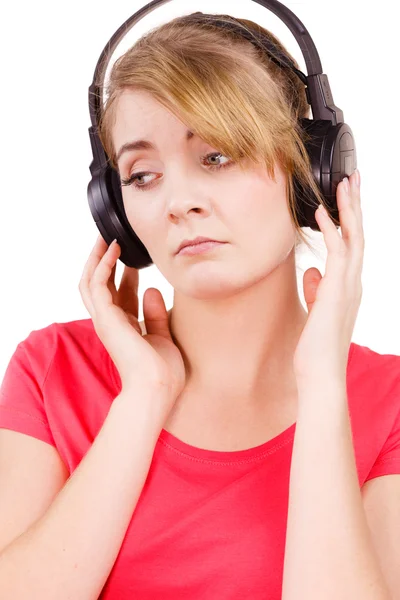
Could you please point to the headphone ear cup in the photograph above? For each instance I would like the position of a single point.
(133, 252)
(306, 205)
(107, 208)
(306, 201)
(332, 154)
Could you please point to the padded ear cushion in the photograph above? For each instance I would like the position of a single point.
(133, 251)
(107, 208)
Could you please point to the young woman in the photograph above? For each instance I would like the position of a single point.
(207, 451)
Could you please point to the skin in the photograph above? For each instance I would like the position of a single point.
(237, 316)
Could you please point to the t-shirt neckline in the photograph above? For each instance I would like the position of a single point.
(174, 444)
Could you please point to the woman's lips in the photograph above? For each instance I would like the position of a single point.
(199, 248)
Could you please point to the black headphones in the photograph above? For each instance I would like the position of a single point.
(331, 150)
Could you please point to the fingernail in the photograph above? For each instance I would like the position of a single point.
(358, 177)
(323, 210)
(346, 185)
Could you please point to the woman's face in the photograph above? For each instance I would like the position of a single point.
(186, 197)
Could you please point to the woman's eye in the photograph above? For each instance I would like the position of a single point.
(135, 176)
(214, 155)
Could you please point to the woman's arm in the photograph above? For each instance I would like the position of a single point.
(329, 551)
(70, 551)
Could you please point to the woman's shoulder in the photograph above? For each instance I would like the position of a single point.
(373, 364)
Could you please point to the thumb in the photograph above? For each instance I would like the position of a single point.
(155, 313)
(311, 280)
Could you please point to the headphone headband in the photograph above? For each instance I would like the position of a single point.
(318, 90)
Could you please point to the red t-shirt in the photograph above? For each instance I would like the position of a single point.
(208, 524)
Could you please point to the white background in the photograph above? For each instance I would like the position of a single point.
(49, 53)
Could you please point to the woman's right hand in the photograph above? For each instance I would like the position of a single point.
(152, 358)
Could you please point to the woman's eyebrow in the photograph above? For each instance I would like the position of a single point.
(143, 145)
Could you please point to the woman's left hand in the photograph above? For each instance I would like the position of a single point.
(334, 299)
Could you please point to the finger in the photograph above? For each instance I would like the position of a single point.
(344, 256)
(98, 285)
(95, 255)
(356, 204)
(111, 284)
(337, 257)
(347, 216)
(155, 313)
(350, 214)
(333, 240)
(351, 223)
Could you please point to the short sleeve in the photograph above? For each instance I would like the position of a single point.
(388, 461)
(21, 400)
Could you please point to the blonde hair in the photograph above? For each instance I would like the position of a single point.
(224, 89)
